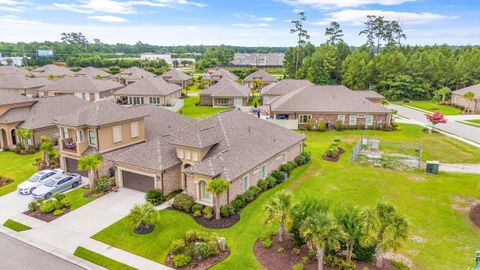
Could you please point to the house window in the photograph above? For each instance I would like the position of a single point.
(134, 130)
(117, 134)
(245, 183)
(80, 136)
(155, 100)
(180, 153)
(264, 171)
(187, 155)
(202, 188)
(341, 117)
(65, 133)
(92, 137)
(222, 101)
(303, 118)
(369, 120)
(194, 156)
(352, 120)
(135, 100)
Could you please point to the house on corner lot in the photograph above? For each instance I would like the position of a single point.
(19, 112)
(283, 87)
(232, 145)
(154, 91)
(177, 77)
(84, 87)
(131, 75)
(330, 103)
(260, 75)
(459, 100)
(225, 93)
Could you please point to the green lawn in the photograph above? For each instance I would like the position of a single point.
(76, 198)
(192, 88)
(448, 239)
(101, 260)
(474, 121)
(17, 167)
(434, 107)
(16, 226)
(198, 112)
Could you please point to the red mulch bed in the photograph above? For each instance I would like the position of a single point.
(5, 181)
(200, 265)
(212, 223)
(475, 215)
(271, 259)
(335, 158)
(44, 217)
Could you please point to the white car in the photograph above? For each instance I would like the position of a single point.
(36, 180)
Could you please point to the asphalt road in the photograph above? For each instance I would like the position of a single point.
(16, 255)
(465, 131)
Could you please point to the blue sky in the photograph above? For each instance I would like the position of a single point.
(248, 23)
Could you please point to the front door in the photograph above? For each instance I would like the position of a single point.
(238, 102)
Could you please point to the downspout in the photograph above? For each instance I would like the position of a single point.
(161, 179)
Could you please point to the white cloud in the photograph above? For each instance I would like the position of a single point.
(120, 7)
(12, 5)
(110, 19)
(250, 25)
(15, 20)
(356, 16)
(325, 4)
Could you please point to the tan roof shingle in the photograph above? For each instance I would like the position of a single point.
(81, 84)
(149, 87)
(262, 75)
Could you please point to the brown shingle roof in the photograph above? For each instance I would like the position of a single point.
(92, 72)
(223, 73)
(325, 98)
(149, 87)
(175, 75)
(263, 75)
(51, 69)
(13, 70)
(226, 88)
(368, 94)
(474, 88)
(8, 97)
(19, 81)
(15, 115)
(135, 73)
(98, 114)
(81, 84)
(284, 86)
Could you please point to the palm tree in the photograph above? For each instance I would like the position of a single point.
(46, 146)
(217, 187)
(469, 96)
(256, 85)
(383, 227)
(142, 216)
(348, 218)
(25, 135)
(91, 164)
(278, 209)
(321, 231)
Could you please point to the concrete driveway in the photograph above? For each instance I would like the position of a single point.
(13, 204)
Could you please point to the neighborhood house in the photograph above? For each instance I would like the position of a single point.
(458, 98)
(260, 75)
(149, 91)
(225, 93)
(177, 77)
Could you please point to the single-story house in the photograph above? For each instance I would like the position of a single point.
(373, 96)
(225, 93)
(53, 71)
(275, 90)
(95, 73)
(6, 70)
(19, 112)
(81, 86)
(260, 75)
(131, 75)
(330, 103)
(459, 100)
(22, 85)
(215, 75)
(177, 77)
(149, 91)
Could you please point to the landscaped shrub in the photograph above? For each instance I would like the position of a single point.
(238, 203)
(298, 266)
(103, 184)
(262, 183)
(33, 206)
(287, 167)
(173, 194)
(208, 212)
(197, 207)
(249, 195)
(181, 260)
(65, 203)
(58, 212)
(399, 265)
(183, 202)
(255, 190)
(339, 126)
(58, 196)
(155, 196)
(364, 254)
(177, 246)
(48, 207)
(321, 125)
(278, 175)
(197, 213)
(201, 250)
(267, 243)
(296, 251)
(227, 211)
(271, 181)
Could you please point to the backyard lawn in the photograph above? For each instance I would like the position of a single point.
(16, 167)
(434, 107)
(198, 112)
(441, 237)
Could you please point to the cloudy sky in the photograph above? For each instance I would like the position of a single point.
(235, 22)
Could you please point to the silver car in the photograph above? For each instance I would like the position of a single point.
(57, 184)
(36, 180)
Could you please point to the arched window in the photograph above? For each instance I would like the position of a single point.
(202, 188)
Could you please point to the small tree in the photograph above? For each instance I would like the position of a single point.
(91, 164)
(383, 227)
(217, 187)
(469, 96)
(436, 118)
(348, 217)
(25, 135)
(142, 216)
(443, 92)
(46, 146)
(256, 85)
(278, 209)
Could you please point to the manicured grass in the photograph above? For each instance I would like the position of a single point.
(434, 107)
(472, 123)
(17, 167)
(198, 112)
(101, 260)
(475, 121)
(192, 88)
(76, 198)
(16, 226)
(448, 239)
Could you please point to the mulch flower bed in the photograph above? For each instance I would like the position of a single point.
(212, 223)
(336, 157)
(44, 217)
(475, 215)
(5, 181)
(196, 264)
(271, 259)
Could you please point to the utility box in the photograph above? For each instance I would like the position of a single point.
(432, 167)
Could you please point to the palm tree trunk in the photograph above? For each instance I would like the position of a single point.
(46, 159)
(217, 207)
(320, 254)
(91, 175)
(349, 250)
(281, 233)
(378, 256)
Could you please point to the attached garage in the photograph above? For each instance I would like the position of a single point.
(72, 167)
(137, 181)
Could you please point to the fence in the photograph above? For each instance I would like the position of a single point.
(289, 124)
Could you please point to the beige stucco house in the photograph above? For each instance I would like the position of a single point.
(225, 93)
(22, 85)
(177, 77)
(283, 87)
(458, 98)
(260, 75)
(131, 75)
(154, 91)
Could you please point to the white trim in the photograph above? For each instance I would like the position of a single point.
(350, 122)
(120, 176)
(134, 129)
(308, 116)
(117, 134)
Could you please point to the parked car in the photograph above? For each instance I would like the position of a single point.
(57, 184)
(36, 180)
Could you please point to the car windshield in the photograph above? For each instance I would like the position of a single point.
(34, 178)
(50, 183)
